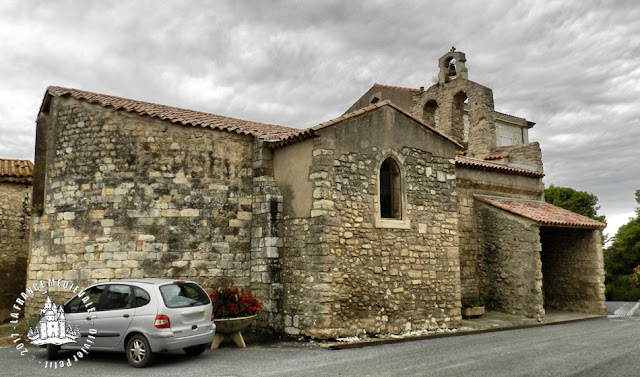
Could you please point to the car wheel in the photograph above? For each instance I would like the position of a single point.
(52, 351)
(195, 350)
(138, 351)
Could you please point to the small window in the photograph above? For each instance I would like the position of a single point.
(431, 114)
(77, 306)
(142, 297)
(390, 191)
(117, 297)
(181, 295)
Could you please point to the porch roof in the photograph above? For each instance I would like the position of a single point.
(19, 171)
(543, 213)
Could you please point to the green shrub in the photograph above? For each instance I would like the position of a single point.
(622, 289)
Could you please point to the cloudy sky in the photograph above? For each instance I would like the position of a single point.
(571, 66)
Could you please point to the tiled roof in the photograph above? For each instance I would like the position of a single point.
(473, 163)
(303, 134)
(509, 115)
(543, 213)
(376, 106)
(397, 87)
(177, 115)
(19, 171)
(496, 156)
(529, 123)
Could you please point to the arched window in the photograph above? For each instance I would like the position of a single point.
(430, 113)
(460, 100)
(452, 68)
(390, 190)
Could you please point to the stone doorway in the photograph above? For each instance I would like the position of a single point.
(572, 270)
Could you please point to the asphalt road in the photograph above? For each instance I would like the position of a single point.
(601, 347)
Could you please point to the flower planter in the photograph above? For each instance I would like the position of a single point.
(229, 329)
(469, 312)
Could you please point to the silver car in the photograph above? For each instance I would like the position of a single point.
(140, 317)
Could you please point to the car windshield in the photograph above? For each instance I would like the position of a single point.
(182, 294)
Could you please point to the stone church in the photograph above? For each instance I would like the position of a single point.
(381, 221)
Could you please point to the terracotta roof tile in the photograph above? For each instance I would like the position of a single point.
(496, 156)
(397, 87)
(543, 213)
(176, 115)
(19, 171)
(473, 163)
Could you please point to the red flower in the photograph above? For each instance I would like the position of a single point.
(230, 302)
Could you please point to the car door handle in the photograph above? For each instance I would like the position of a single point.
(91, 317)
(126, 316)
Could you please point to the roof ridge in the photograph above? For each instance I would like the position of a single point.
(475, 163)
(545, 214)
(175, 114)
(350, 115)
(509, 115)
(14, 170)
(507, 198)
(396, 87)
(378, 105)
(14, 159)
(495, 156)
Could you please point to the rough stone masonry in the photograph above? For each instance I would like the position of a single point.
(380, 221)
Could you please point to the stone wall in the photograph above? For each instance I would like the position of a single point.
(512, 132)
(129, 196)
(344, 276)
(573, 270)
(450, 98)
(511, 270)
(480, 182)
(530, 154)
(399, 96)
(15, 211)
(266, 238)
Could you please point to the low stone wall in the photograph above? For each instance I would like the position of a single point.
(511, 269)
(15, 211)
(530, 154)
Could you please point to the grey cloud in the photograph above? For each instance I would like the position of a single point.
(567, 65)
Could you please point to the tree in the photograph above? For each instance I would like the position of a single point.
(621, 258)
(580, 202)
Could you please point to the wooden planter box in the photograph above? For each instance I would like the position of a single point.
(472, 312)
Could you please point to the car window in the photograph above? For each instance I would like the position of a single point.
(118, 296)
(142, 297)
(76, 305)
(180, 295)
